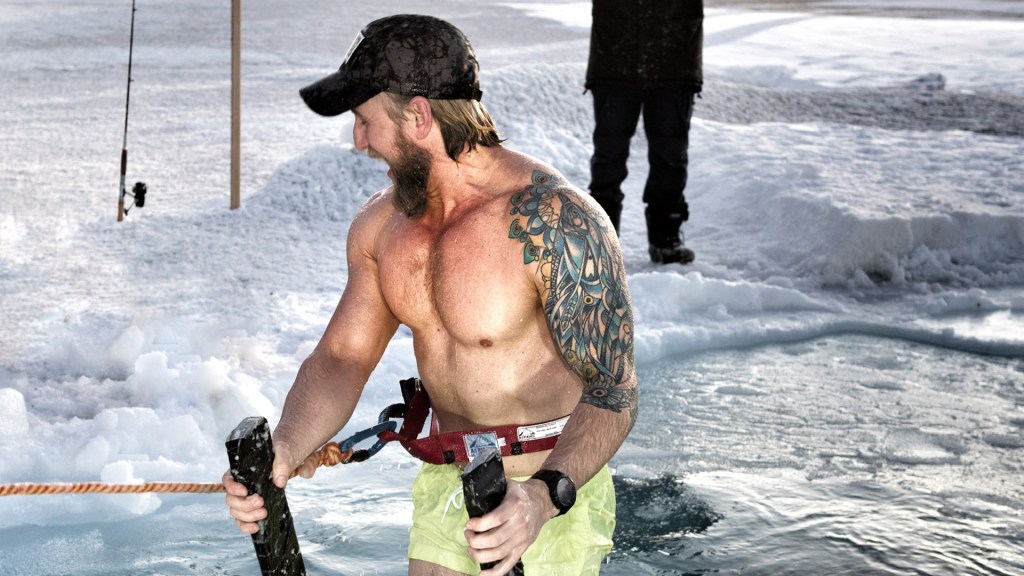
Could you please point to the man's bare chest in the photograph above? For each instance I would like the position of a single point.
(469, 283)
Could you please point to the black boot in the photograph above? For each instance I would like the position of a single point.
(664, 234)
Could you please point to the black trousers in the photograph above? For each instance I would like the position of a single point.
(667, 112)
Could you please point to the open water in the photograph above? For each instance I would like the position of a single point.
(850, 455)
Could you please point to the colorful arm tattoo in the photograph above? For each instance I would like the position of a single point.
(585, 294)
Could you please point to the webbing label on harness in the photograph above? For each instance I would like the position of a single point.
(540, 431)
(475, 443)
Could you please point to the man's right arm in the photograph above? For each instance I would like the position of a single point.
(331, 379)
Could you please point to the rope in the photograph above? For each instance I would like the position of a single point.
(329, 455)
(30, 489)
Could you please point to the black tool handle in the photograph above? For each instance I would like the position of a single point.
(483, 489)
(251, 457)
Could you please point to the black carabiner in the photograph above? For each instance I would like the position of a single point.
(373, 431)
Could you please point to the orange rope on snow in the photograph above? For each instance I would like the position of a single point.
(329, 455)
(30, 489)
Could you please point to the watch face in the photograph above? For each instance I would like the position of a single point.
(560, 487)
(566, 492)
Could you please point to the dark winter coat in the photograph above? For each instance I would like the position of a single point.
(646, 43)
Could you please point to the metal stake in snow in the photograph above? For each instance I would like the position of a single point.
(250, 456)
(139, 190)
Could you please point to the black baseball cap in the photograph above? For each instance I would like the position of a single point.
(407, 54)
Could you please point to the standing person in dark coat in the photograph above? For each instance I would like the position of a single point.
(645, 55)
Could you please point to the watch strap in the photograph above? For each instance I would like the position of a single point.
(552, 478)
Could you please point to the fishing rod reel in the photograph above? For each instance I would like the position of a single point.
(138, 194)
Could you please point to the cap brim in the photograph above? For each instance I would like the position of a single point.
(334, 94)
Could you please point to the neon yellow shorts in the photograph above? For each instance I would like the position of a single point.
(568, 545)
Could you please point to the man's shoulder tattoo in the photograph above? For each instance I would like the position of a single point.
(585, 294)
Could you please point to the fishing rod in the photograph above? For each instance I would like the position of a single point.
(138, 192)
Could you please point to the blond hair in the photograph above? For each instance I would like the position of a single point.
(465, 124)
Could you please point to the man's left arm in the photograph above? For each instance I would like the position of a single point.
(590, 317)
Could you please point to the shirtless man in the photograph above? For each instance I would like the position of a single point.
(511, 281)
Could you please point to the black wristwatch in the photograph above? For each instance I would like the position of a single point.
(561, 488)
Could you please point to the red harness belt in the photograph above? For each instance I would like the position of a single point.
(462, 446)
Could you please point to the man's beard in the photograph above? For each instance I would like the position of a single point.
(411, 172)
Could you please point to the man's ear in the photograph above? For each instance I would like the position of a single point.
(421, 115)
